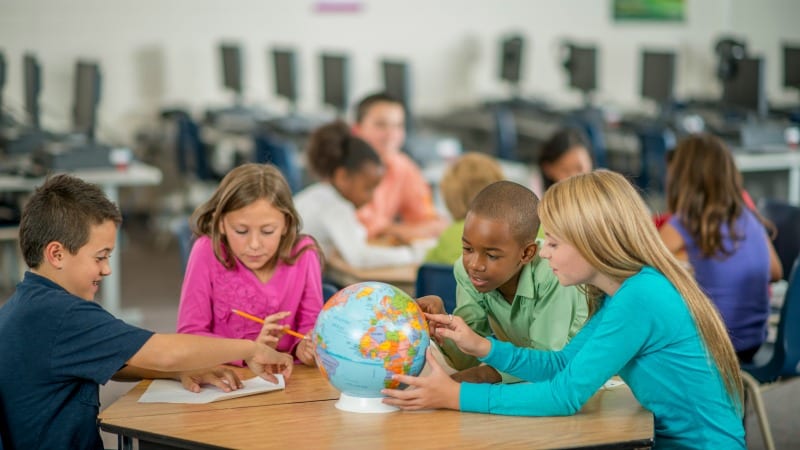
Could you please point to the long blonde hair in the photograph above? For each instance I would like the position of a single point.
(605, 219)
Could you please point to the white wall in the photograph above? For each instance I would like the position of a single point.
(156, 52)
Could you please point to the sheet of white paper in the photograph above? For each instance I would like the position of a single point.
(171, 391)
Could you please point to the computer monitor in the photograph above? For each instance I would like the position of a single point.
(335, 81)
(33, 85)
(658, 76)
(791, 66)
(745, 89)
(397, 80)
(2, 81)
(581, 64)
(232, 68)
(285, 64)
(87, 96)
(511, 59)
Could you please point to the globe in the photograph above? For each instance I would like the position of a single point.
(364, 334)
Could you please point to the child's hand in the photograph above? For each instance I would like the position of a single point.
(305, 352)
(454, 328)
(436, 390)
(266, 361)
(431, 304)
(272, 331)
(221, 376)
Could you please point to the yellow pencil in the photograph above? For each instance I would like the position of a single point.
(286, 330)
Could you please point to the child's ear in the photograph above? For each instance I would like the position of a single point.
(54, 253)
(529, 252)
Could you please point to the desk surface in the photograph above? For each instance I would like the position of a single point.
(304, 416)
(342, 273)
(137, 174)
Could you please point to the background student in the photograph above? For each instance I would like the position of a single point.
(402, 205)
(250, 256)
(349, 170)
(461, 182)
(565, 153)
(651, 324)
(723, 240)
(58, 345)
(504, 288)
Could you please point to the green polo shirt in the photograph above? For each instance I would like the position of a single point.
(449, 246)
(543, 315)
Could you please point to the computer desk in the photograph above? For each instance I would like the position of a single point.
(110, 180)
(304, 416)
(767, 161)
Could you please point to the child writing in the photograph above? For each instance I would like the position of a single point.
(503, 287)
(651, 324)
(403, 192)
(251, 257)
(722, 239)
(461, 182)
(350, 170)
(58, 345)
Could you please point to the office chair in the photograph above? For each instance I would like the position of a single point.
(328, 291)
(779, 361)
(505, 133)
(280, 153)
(654, 142)
(786, 218)
(437, 279)
(191, 151)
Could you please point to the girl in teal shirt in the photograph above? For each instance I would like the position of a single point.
(651, 324)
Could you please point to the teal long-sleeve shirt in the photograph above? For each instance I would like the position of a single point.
(644, 333)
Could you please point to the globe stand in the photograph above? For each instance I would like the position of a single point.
(371, 405)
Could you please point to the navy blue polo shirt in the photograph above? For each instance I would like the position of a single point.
(55, 349)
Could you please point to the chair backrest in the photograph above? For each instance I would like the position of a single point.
(505, 134)
(185, 240)
(437, 279)
(786, 218)
(270, 149)
(190, 149)
(787, 342)
(328, 290)
(591, 122)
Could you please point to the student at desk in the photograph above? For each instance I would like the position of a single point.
(721, 238)
(250, 256)
(349, 170)
(651, 324)
(58, 345)
(460, 183)
(402, 205)
(503, 287)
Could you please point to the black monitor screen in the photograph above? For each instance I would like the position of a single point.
(791, 66)
(232, 67)
(511, 59)
(87, 95)
(33, 84)
(396, 80)
(2, 72)
(335, 81)
(582, 67)
(658, 75)
(745, 90)
(285, 74)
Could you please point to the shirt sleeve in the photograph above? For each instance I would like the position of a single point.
(561, 382)
(416, 204)
(563, 311)
(92, 344)
(195, 311)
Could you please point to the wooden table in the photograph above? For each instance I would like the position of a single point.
(343, 274)
(304, 416)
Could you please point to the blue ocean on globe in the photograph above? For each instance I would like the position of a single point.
(366, 333)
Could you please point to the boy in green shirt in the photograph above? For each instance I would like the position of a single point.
(504, 288)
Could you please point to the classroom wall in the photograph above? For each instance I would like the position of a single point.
(155, 53)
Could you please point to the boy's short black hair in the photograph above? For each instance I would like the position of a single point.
(512, 203)
(62, 209)
(366, 103)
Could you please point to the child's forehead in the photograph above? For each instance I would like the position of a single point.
(492, 229)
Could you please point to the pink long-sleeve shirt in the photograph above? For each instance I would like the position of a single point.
(210, 292)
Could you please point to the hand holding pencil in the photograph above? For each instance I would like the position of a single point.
(272, 330)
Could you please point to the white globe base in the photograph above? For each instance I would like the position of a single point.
(364, 405)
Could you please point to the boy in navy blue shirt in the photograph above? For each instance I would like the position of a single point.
(57, 345)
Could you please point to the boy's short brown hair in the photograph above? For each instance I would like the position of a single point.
(62, 210)
(512, 203)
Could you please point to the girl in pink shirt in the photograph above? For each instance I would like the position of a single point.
(250, 256)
